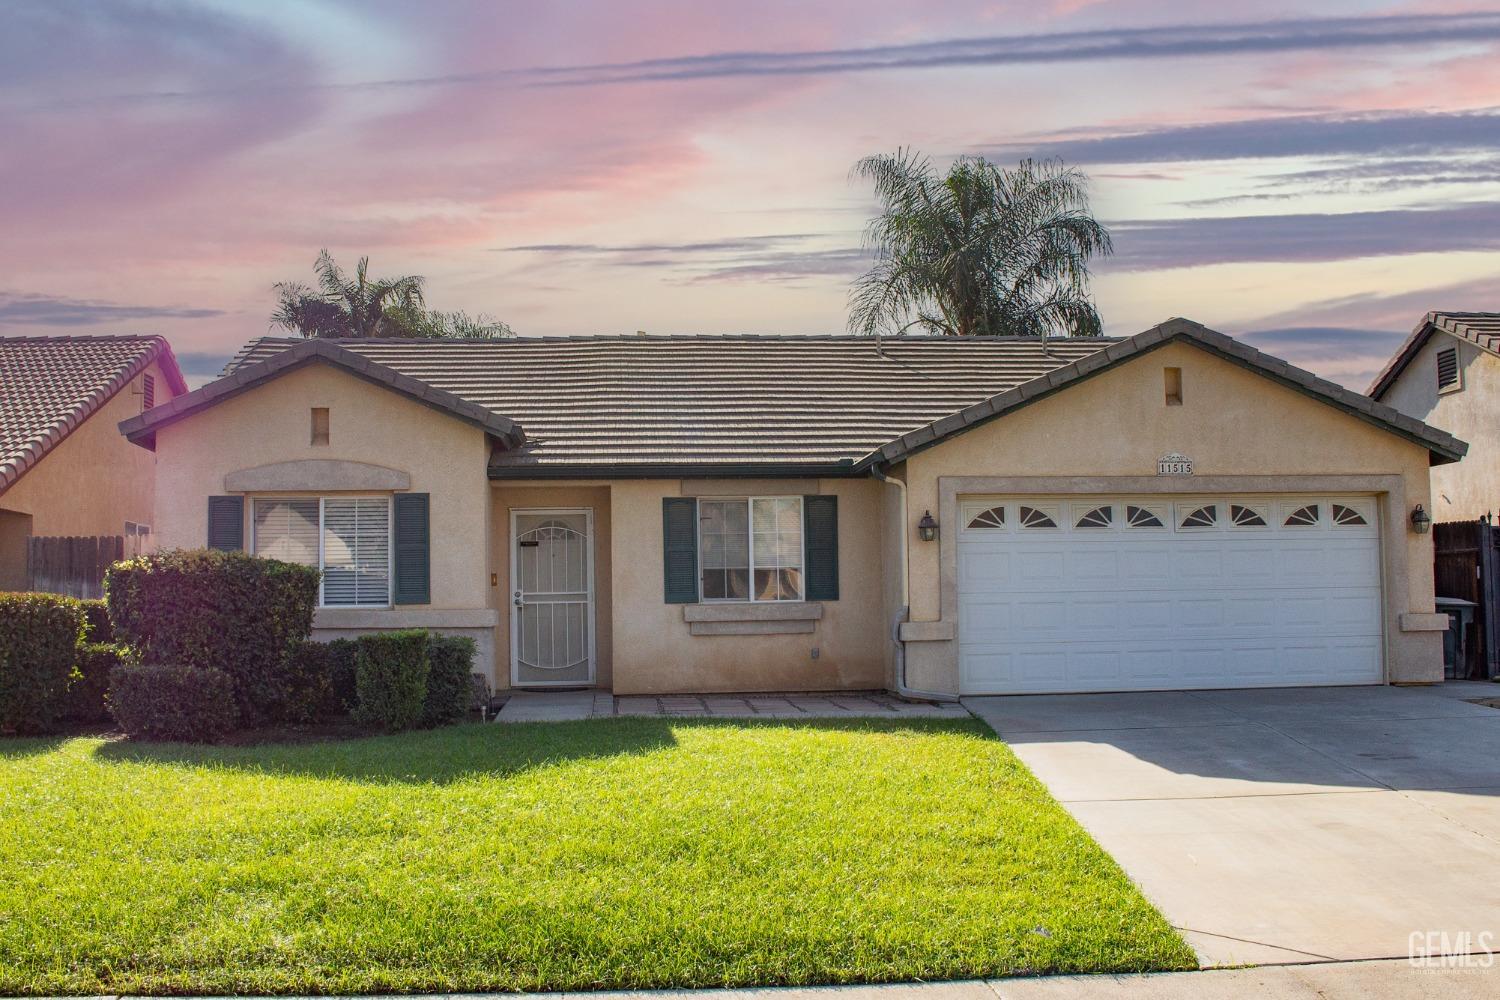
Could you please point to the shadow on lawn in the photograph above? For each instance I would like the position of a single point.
(437, 756)
(454, 753)
(29, 746)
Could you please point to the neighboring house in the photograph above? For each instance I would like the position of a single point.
(64, 469)
(1448, 374)
(739, 513)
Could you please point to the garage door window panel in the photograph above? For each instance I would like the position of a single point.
(1305, 516)
(1145, 517)
(1198, 516)
(981, 518)
(1038, 517)
(1249, 515)
(1097, 517)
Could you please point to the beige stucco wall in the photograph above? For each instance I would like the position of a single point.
(95, 480)
(506, 497)
(1244, 433)
(1465, 490)
(653, 650)
(368, 424)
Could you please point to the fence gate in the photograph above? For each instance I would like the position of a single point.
(1467, 555)
(72, 565)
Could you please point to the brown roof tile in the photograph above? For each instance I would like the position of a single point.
(719, 401)
(51, 385)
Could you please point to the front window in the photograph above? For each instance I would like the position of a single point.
(348, 538)
(750, 550)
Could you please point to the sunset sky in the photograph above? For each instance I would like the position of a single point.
(603, 166)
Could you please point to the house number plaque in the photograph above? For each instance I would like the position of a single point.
(1174, 465)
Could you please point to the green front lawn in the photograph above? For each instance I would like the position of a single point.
(615, 853)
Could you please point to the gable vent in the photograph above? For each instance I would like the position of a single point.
(148, 392)
(1447, 368)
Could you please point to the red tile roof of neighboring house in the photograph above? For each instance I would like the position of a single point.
(51, 385)
(1482, 329)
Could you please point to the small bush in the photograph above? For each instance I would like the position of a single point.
(85, 700)
(390, 677)
(449, 689)
(323, 678)
(222, 610)
(172, 701)
(96, 618)
(39, 635)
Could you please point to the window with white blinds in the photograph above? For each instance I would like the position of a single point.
(348, 538)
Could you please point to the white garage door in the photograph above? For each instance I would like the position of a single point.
(1152, 593)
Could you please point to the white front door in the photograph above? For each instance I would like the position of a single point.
(1063, 594)
(552, 598)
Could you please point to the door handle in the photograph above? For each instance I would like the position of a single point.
(519, 601)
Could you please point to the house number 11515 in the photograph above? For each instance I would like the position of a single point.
(1174, 465)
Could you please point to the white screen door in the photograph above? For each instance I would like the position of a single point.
(552, 598)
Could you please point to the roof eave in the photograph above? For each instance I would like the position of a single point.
(680, 470)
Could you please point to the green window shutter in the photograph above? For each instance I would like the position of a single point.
(820, 534)
(413, 548)
(679, 532)
(226, 523)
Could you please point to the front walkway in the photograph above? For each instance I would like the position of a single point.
(563, 706)
(1288, 825)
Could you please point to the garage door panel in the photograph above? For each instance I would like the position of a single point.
(1115, 609)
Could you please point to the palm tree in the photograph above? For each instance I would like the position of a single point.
(982, 251)
(359, 307)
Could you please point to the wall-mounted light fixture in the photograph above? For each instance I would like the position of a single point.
(927, 527)
(1421, 521)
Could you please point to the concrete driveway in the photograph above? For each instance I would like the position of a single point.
(1287, 825)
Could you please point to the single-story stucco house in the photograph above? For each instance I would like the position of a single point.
(738, 513)
(1448, 374)
(64, 469)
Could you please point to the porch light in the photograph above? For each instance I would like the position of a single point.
(1421, 521)
(927, 527)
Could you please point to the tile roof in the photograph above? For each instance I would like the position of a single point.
(1479, 328)
(741, 405)
(653, 403)
(51, 385)
(242, 374)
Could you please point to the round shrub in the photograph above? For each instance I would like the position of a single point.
(223, 610)
(85, 699)
(450, 691)
(390, 678)
(172, 701)
(39, 635)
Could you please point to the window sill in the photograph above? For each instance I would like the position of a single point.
(752, 618)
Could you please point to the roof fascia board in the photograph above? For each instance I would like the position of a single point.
(709, 470)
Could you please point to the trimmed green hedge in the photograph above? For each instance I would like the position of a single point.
(390, 676)
(39, 636)
(172, 701)
(96, 619)
(229, 611)
(323, 678)
(85, 702)
(450, 692)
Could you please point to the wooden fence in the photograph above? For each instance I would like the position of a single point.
(72, 565)
(1467, 565)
